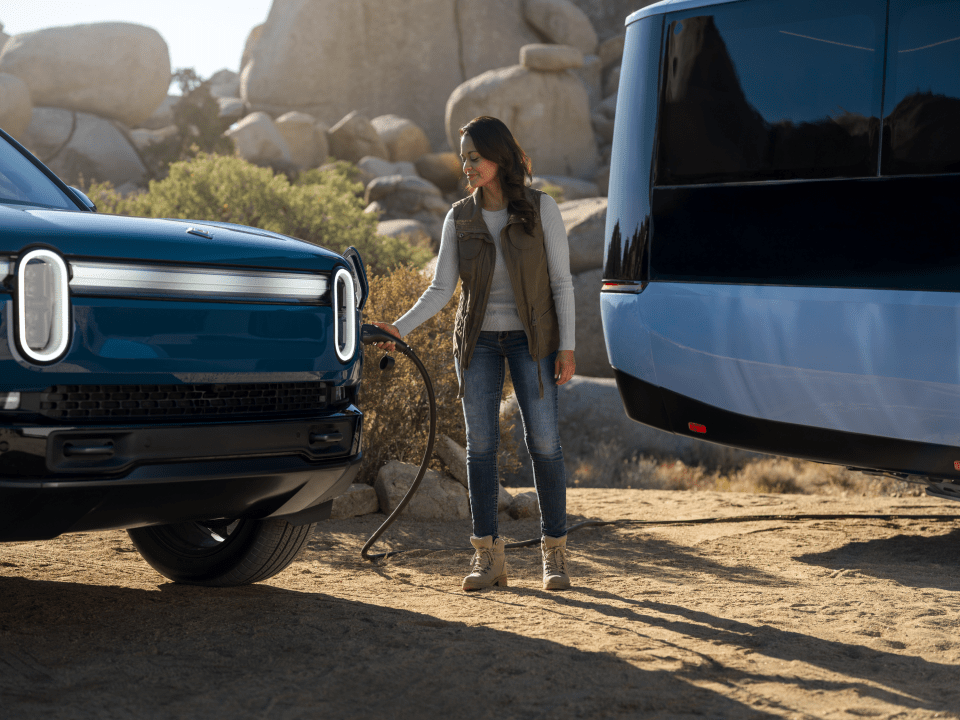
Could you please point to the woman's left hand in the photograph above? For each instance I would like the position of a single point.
(566, 366)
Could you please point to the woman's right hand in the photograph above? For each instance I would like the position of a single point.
(388, 346)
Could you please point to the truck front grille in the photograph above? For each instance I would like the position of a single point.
(180, 402)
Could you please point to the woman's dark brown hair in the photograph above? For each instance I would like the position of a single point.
(496, 143)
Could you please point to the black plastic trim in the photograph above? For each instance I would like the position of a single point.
(671, 411)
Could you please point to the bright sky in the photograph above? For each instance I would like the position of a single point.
(206, 35)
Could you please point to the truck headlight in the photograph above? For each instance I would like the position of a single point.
(43, 305)
(344, 314)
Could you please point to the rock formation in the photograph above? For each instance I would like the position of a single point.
(548, 112)
(115, 70)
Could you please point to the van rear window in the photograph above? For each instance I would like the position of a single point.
(771, 90)
(922, 102)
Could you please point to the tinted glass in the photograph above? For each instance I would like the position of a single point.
(922, 102)
(22, 182)
(628, 202)
(771, 89)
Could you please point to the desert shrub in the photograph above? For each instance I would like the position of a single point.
(395, 406)
(324, 209)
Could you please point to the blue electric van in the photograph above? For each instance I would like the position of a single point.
(782, 262)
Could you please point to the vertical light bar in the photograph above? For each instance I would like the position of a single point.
(43, 305)
(344, 314)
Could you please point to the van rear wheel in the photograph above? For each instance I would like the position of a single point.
(221, 553)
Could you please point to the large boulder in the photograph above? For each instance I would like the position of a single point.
(591, 352)
(547, 112)
(403, 138)
(355, 137)
(15, 105)
(438, 497)
(258, 140)
(563, 23)
(585, 221)
(81, 148)
(396, 57)
(114, 70)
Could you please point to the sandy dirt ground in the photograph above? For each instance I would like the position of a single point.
(847, 618)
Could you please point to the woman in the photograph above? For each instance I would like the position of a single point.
(507, 244)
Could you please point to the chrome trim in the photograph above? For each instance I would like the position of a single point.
(350, 306)
(200, 233)
(61, 326)
(99, 278)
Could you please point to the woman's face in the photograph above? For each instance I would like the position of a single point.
(479, 170)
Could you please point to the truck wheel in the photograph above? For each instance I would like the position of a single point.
(221, 552)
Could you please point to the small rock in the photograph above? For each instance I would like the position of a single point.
(298, 130)
(550, 57)
(444, 169)
(225, 84)
(353, 137)
(257, 139)
(143, 138)
(525, 505)
(414, 231)
(404, 139)
(359, 499)
(437, 498)
(372, 167)
(231, 107)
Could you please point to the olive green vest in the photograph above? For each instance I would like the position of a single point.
(526, 260)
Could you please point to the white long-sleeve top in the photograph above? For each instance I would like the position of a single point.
(501, 314)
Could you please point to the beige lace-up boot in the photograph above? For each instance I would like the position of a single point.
(554, 551)
(489, 564)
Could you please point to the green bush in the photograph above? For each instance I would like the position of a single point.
(322, 206)
(396, 411)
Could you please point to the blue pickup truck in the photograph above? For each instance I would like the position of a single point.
(192, 382)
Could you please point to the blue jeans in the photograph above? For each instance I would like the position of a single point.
(483, 386)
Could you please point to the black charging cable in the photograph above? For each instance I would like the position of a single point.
(370, 334)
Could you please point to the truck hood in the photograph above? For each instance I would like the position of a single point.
(90, 235)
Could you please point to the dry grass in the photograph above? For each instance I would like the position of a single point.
(610, 468)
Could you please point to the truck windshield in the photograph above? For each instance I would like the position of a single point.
(23, 183)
